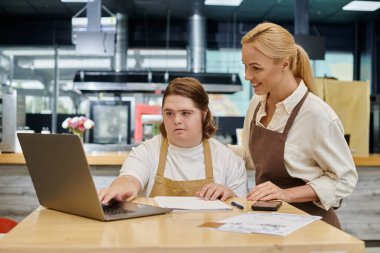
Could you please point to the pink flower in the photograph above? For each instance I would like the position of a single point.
(77, 124)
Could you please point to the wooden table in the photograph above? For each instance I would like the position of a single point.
(50, 231)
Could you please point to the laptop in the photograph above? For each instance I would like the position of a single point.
(62, 179)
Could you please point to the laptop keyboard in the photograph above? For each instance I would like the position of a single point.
(113, 210)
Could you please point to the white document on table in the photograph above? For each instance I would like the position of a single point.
(265, 223)
(191, 203)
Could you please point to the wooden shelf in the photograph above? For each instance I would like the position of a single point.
(95, 158)
(373, 160)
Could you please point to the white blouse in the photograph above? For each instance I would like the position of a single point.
(185, 164)
(315, 150)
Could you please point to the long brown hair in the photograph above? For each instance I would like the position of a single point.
(276, 42)
(191, 88)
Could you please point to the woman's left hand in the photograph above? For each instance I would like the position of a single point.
(215, 191)
(267, 191)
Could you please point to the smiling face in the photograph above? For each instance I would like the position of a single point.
(183, 121)
(262, 71)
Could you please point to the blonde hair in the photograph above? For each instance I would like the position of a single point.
(276, 42)
(191, 88)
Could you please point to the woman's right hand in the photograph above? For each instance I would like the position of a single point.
(213, 191)
(115, 193)
(124, 188)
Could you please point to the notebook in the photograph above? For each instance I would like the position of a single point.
(62, 179)
(191, 204)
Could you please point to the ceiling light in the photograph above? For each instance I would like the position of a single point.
(67, 64)
(158, 52)
(83, 21)
(28, 84)
(362, 6)
(77, 1)
(223, 2)
(37, 52)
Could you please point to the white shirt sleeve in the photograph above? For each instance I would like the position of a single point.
(244, 151)
(229, 169)
(237, 176)
(141, 161)
(334, 158)
(315, 149)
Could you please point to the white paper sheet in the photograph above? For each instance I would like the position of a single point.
(266, 223)
(190, 203)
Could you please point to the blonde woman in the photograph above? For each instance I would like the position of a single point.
(291, 137)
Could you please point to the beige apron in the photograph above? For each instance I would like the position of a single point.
(167, 187)
(267, 151)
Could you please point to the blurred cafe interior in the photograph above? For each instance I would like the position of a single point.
(111, 60)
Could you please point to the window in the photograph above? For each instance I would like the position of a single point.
(339, 65)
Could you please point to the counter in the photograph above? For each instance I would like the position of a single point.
(93, 158)
(116, 158)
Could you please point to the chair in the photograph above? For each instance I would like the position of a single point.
(6, 225)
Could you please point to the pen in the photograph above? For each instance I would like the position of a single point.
(237, 205)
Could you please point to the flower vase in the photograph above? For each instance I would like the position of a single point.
(79, 134)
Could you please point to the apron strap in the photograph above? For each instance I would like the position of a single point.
(253, 122)
(255, 114)
(163, 154)
(208, 159)
(294, 113)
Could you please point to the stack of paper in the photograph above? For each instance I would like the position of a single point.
(191, 203)
(263, 223)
